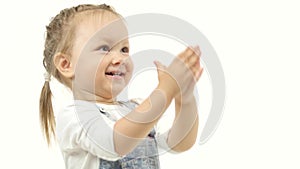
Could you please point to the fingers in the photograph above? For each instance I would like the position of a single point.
(189, 62)
(197, 50)
(186, 53)
(191, 57)
(198, 74)
(159, 66)
(194, 58)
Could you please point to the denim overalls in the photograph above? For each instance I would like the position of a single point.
(144, 156)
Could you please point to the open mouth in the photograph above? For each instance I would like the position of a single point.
(115, 74)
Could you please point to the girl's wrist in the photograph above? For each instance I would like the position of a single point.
(184, 99)
(169, 90)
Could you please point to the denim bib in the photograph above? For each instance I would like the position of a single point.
(144, 156)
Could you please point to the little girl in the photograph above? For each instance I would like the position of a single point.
(87, 50)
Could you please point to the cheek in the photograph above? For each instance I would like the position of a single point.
(128, 77)
(89, 69)
(101, 67)
(85, 76)
(130, 68)
(130, 65)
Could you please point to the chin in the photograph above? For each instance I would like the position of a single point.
(116, 91)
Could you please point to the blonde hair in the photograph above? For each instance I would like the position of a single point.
(59, 38)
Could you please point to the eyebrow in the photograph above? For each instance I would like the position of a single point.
(98, 43)
(110, 40)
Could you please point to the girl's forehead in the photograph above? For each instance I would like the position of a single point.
(103, 25)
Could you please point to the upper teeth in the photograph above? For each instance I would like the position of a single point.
(115, 73)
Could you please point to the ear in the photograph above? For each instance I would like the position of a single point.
(63, 64)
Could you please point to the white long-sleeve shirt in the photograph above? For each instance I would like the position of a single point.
(85, 135)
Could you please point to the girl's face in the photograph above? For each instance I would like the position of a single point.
(100, 58)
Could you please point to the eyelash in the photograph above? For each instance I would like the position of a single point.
(125, 48)
(107, 49)
(101, 49)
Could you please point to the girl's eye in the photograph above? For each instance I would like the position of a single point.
(125, 50)
(104, 48)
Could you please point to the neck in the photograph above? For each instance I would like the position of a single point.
(91, 97)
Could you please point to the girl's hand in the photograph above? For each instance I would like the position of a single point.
(180, 77)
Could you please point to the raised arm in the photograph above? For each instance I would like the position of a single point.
(173, 79)
(183, 132)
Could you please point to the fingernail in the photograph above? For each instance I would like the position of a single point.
(196, 49)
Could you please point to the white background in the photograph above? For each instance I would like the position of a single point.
(257, 43)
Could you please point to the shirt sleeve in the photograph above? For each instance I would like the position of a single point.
(95, 133)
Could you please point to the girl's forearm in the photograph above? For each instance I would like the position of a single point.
(183, 133)
(135, 126)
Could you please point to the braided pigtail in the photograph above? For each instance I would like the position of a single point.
(46, 110)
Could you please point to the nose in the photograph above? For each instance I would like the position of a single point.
(118, 58)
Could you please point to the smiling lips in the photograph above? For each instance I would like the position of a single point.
(115, 74)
